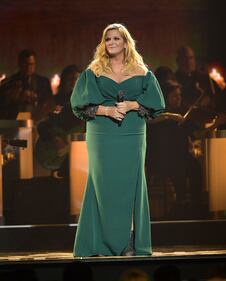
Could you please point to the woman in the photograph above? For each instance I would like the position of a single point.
(115, 200)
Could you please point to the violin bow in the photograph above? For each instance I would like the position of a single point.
(202, 93)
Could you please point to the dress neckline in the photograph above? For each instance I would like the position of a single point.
(119, 83)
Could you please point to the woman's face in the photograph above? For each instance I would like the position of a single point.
(114, 43)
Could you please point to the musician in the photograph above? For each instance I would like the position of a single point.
(68, 78)
(54, 129)
(25, 91)
(168, 154)
(193, 80)
(164, 73)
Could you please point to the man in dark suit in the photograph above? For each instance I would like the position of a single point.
(194, 83)
(25, 91)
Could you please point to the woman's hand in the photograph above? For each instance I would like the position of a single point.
(125, 106)
(113, 112)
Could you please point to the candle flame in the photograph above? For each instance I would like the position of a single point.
(218, 78)
(55, 82)
(2, 77)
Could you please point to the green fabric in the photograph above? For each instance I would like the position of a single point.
(116, 189)
(86, 92)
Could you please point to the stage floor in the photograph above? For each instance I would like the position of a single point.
(161, 253)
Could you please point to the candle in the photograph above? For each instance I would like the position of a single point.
(217, 77)
(2, 77)
(55, 82)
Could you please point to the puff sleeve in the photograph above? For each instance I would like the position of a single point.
(151, 100)
(86, 96)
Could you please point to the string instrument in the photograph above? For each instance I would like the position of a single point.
(52, 147)
(205, 110)
(208, 124)
(20, 95)
(194, 105)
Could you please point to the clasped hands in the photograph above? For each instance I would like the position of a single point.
(120, 109)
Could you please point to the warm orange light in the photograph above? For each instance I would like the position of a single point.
(215, 161)
(2, 77)
(55, 82)
(78, 174)
(217, 77)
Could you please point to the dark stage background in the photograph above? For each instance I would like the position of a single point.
(65, 32)
(37, 227)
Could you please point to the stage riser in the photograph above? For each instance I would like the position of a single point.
(61, 237)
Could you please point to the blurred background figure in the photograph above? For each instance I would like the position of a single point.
(25, 91)
(134, 274)
(163, 74)
(168, 157)
(195, 83)
(68, 78)
(52, 147)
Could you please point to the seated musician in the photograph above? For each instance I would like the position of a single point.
(25, 91)
(168, 153)
(52, 147)
(194, 81)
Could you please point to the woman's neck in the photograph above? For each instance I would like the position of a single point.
(117, 63)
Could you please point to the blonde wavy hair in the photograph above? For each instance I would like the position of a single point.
(132, 59)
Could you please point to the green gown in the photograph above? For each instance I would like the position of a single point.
(116, 191)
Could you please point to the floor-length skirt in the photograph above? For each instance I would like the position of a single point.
(115, 196)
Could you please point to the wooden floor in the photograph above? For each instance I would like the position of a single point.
(158, 253)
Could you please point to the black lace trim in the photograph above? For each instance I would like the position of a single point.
(148, 113)
(144, 112)
(88, 112)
